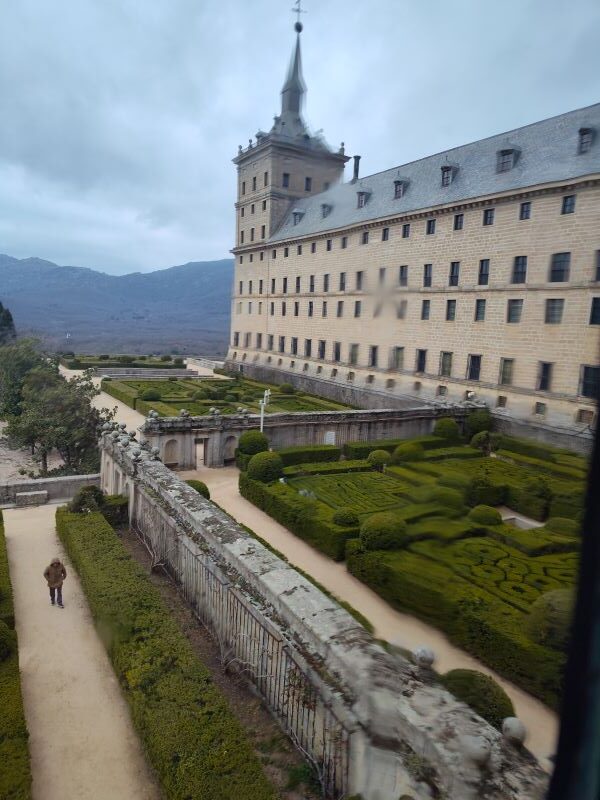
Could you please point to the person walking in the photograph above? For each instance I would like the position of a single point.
(55, 573)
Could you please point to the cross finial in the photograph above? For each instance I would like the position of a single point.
(298, 10)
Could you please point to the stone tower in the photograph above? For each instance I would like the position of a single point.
(282, 165)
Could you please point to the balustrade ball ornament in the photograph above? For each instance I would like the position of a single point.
(424, 656)
(155, 451)
(123, 426)
(245, 411)
(115, 426)
(514, 730)
(107, 426)
(476, 749)
(136, 452)
(114, 435)
(240, 410)
(132, 434)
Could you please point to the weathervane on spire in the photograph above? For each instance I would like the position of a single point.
(298, 10)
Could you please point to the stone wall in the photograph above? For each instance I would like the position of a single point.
(580, 441)
(63, 488)
(373, 723)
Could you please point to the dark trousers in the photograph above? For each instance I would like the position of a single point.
(58, 591)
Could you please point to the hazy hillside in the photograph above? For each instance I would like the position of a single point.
(186, 308)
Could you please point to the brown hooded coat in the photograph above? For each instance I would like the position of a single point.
(55, 573)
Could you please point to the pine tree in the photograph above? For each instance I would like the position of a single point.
(7, 326)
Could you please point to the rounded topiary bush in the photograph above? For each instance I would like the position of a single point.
(7, 641)
(286, 388)
(199, 394)
(486, 441)
(379, 458)
(383, 531)
(447, 428)
(252, 442)
(231, 398)
(564, 526)
(445, 496)
(265, 467)
(200, 487)
(480, 420)
(345, 517)
(480, 692)
(411, 451)
(549, 621)
(485, 515)
(87, 499)
(151, 394)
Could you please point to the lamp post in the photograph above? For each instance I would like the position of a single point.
(263, 403)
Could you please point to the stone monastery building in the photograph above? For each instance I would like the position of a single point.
(470, 274)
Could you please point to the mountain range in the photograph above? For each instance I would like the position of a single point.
(183, 309)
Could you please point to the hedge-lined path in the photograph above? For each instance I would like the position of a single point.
(393, 626)
(82, 742)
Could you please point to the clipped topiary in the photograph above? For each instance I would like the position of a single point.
(445, 496)
(87, 499)
(345, 517)
(200, 487)
(265, 467)
(455, 481)
(411, 451)
(378, 459)
(447, 428)
(287, 388)
(485, 515)
(383, 531)
(151, 394)
(252, 442)
(480, 692)
(7, 641)
(480, 420)
(487, 442)
(562, 525)
(549, 621)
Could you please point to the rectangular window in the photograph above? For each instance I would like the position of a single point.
(425, 309)
(361, 199)
(359, 281)
(251, 234)
(385, 234)
(597, 276)
(242, 211)
(270, 341)
(272, 285)
(427, 274)
(514, 309)
(260, 286)
(328, 245)
(344, 242)
(544, 381)
(283, 309)
(236, 339)
(296, 308)
(297, 284)
(540, 409)
(284, 285)
(265, 179)
(590, 381)
(243, 187)
(259, 341)
(484, 272)
(286, 180)
(241, 237)
(398, 189)
(254, 184)
(340, 309)
(554, 311)
(406, 230)
(560, 267)
(568, 204)
(506, 371)
(373, 355)
(321, 349)
(294, 346)
(241, 287)
(450, 310)
(430, 226)
(307, 184)
(272, 309)
(252, 208)
(446, 364)
(473, 367)
(264, 205)
(311, 283)
(525, 211)
(282, 344)
(357, 308)
(397, 358)
(403, 275)
(324, 309)
(365, 237)
(262, 255)
(263, 232)
(479, 310)
(353, 354)
(401, 309)
(273, 254)
(488, 216)
(458, 222)
(249, 308)
(326, 282)
(313, 247)
(381, 276)
(342, 281)
(299, 250)
(260, 308)
(519, 272)
(421, 361)
(308, 348)
(337, 352)
(595, 311)
(286, 252)
(454, 273)
(311, 308)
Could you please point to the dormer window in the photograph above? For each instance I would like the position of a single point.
(586, 136)
(399, 189)
(297, 215)
(447, 175)
(325, 209)
(362, 199)
(505, 160)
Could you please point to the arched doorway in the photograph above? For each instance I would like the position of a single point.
(229, 450)
(171, 454)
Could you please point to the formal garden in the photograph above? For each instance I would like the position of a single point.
(83, 361)
(198, 396)
(418, 521)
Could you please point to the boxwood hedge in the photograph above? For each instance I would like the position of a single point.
(195, 744)
(15, 772)
(312, 454)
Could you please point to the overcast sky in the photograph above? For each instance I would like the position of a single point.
(119, 118)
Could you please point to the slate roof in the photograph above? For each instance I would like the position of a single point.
(547, 151)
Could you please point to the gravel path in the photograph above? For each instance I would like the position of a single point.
(82, 742)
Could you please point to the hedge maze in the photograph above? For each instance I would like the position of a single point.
(463, 570)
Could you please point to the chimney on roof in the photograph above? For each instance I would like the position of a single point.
(356, 165)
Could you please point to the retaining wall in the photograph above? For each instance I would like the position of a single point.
(63, 488)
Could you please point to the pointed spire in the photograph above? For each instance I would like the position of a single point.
(294, 86)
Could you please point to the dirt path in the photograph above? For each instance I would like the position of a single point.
(82, 742)
(389, 624)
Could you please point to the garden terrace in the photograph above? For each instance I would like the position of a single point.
(73, 361)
